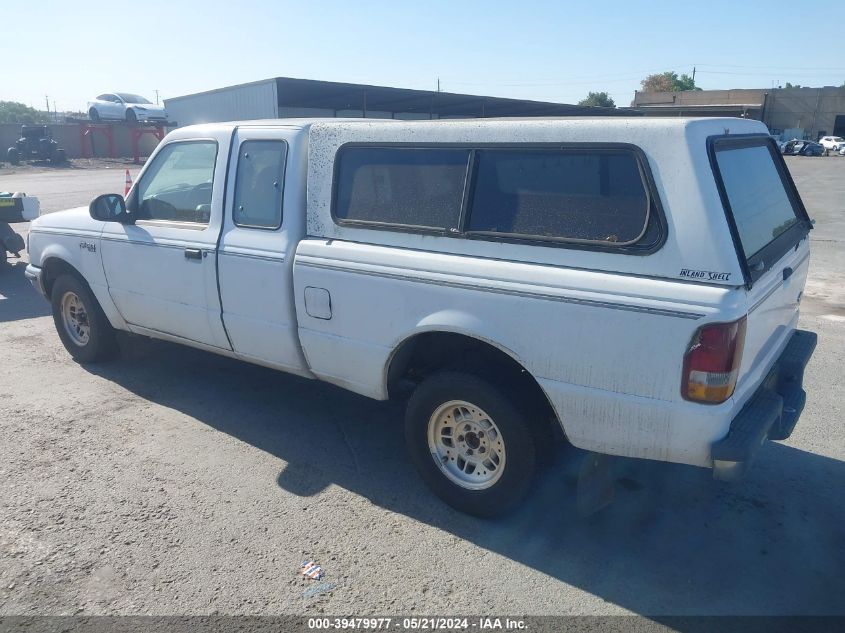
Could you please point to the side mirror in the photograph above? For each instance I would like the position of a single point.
(110, 207)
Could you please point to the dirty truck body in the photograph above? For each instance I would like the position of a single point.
(630, 284)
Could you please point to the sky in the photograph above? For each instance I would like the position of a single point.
(529, 49)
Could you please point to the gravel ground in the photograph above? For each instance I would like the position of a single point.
(177, 482)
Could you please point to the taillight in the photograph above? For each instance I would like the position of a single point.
(711, 364)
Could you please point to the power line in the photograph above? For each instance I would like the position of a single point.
(776, 68)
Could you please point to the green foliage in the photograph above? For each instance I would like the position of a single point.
(13, 112)
(789, 85)
(601, 99)
(668, 82)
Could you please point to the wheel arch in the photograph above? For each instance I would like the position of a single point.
(432, 348)
(53, 266)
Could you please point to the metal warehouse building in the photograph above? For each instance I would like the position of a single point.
(284, 97)
(790, 112)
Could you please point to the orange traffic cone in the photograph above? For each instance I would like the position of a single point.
(128, 184)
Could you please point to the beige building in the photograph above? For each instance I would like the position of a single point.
(793, 112)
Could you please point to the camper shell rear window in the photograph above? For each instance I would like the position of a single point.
(764, 211)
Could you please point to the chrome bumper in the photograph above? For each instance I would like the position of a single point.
(33, 275)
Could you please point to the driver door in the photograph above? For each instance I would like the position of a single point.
(162, 271)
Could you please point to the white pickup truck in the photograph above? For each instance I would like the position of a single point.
(629, 284)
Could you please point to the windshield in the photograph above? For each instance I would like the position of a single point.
(837, 139)
(130, 98)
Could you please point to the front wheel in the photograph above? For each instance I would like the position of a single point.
(83, 328)
(131, 117)
(472, 446)
(94, 115)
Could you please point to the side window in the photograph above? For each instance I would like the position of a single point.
(259, 184)
(401, 186)
(595, 196)
(177, 185)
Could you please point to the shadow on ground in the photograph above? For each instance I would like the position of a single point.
(22, 301)
(673, 542)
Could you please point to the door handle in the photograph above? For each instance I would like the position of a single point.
(193, 253)
(787, 273)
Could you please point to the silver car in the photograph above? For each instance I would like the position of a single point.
(124, 106)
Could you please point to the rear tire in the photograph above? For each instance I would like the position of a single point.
(131, 117)
(473, 447)
(13, 156)
(80, 322)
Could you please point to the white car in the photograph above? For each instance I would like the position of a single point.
(834, 143)
(518, 279)
(123, 106)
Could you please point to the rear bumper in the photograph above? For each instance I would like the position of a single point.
(771, 413)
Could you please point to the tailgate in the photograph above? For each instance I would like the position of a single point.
(773, 314)
(769, 226)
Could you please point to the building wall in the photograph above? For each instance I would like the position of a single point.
(257, 100)
(807, 112)
(699, 97)
(68, 138)
(813, 110)
(293, 113)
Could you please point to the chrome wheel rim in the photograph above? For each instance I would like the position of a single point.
(75, 319)
(466, 445)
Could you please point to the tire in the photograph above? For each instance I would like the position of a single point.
(13, 156)
(88, 337)
(59, 156)
(131, 117)
(94, 115)
(456, 407)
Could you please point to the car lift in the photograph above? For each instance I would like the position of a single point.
(88, 128)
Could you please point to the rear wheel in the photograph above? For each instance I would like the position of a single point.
(131, 117)
(470, 443)
(83, 328)
(13, 156)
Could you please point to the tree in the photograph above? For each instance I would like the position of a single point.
(13, 112)
(668, 82)
(600, 99)
(789, 85)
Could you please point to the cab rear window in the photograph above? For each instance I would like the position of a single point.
(760, 199)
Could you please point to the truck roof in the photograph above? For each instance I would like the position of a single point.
(606, 124)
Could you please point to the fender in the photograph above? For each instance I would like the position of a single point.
(452, 322)
(91, 271)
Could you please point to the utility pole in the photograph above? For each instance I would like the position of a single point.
(47, 99)
(156, 97)
(693, 75)
(438, 84)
